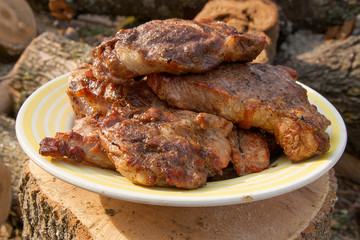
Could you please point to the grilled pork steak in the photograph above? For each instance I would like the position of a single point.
(81, 144)
(250, 152)
(175, 46)
(123, 124)
(147, 141)
(251, 95)
(178, 148)
(89, 96)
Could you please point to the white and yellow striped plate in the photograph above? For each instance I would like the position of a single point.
(48, 111)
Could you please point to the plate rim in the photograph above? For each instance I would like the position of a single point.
(164, 199)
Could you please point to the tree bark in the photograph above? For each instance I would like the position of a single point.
(5, 107)
(143, 9)
(316, 15)
(47, 57)
(5, 192)
(331, 68)
(348, 167)
(57, 210)
(12, 155)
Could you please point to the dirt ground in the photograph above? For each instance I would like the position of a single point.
(92, 30)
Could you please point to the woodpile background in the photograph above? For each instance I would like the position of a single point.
(321, 41)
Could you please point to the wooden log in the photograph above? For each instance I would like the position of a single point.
(47, 57)
(341, 32)
(315, 15)
(61, 10)
(143, 9)
(17, 28)
(259, 17)
(12, 156)
(333, 69)
(57, 210)
(309, 14)
(348, 167)
(5, 192)
(5, 107)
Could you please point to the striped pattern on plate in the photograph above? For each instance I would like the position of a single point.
(48, 111)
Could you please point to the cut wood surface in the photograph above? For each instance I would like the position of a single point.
(259, 17)
(57, 210)
(333, 69)
(17, 28)
(48, 56)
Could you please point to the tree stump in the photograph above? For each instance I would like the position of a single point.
(53, 209)
(47, 56)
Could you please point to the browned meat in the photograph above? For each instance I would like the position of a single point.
(81, 144)
(147, 141)
(89, 96)
(250, 152)
(257, 95)
(166, 148)
(174, 46)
